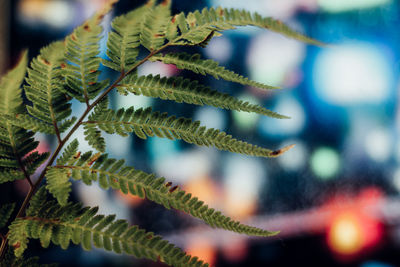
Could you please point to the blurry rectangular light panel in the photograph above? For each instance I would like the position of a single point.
(347, 5)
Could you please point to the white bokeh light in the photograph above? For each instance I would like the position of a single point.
(378, 144)
(352, 74)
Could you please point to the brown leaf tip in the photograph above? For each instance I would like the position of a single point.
(279, 152)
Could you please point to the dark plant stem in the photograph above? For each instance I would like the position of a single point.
(62, 142)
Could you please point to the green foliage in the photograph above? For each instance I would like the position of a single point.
(50, 104)
(5, 213)
(15, 142)
(180, 90)
(144, 122)
(206, 66)
(69, 69)
(111, 173)
(81, 50)
(196, 27)
(63, 224)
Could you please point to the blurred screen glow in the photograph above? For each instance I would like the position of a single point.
(353, 74)
(346, 5)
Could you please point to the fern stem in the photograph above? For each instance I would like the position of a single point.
(4, 241)
(62, 142)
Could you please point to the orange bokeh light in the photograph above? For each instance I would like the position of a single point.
(353, 228)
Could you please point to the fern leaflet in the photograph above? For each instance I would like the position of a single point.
(5, 213)
(63, 224)
(197, 26)
(112, 173)
(123, 42)
(50, 104)
(82, 70)
(194, 63)
(181, 90)
(152, 35)
(144, 122)
(15, 142)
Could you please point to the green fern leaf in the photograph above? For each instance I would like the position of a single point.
(10, 91)
(152, 35)
(58, 184)
(29, 123)
(15, 142)
(5, 213)
(112, 173)
(123, 42)
(92, 134)
(63, 224)
(194, 63)
(82, 70)
(45, 87)
(36, 202)
(144, 122)
(181, 90)
(10, 174)
(197, 26)
(70, 151)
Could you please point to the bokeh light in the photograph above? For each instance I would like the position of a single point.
(325, 162)
(211, 117)
(272, 58)
(345, 5)
(243, 179)
(345, 235)
(355, 73)
(378, 144)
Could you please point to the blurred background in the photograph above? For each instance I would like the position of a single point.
(335, 196)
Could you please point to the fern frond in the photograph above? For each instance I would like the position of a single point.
(58, 184)
(181, 90)
(29, 123)
(5, 213)
(34, 160)
(197, 26)
(82, 70)
(45, 87)
(152, 35)
(112, 173)
(123, 42)
(15, 142)
(69, 152)
(10, 91)
(196, 64)
(10, 174)
(92, 134)
(144, 122)
(63, 224)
